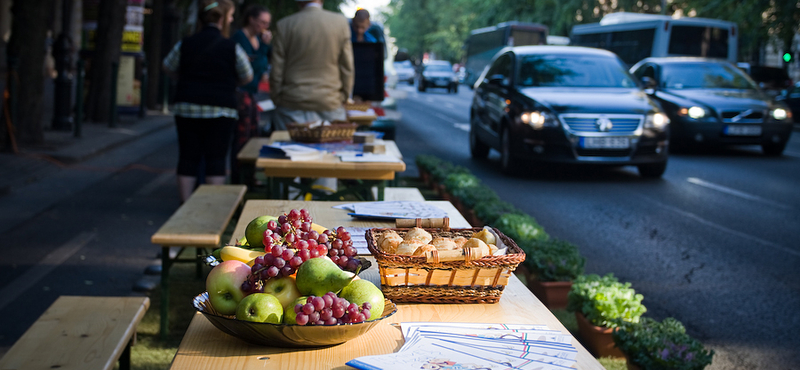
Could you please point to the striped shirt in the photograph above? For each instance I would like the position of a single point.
(189, 110)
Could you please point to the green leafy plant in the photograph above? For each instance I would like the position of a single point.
(427, 162)
(460, 180)
(604, 300)
(472, 195)
(444, 169)
(489, 211)
(553, 260)
(664, 345)
(520, 227)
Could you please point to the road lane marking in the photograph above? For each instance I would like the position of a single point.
(722, 228)
(462, 126)
(734, 192)
(38, 271)
(442, 116)
(449, 105)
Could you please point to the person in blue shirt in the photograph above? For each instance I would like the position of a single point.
(359, 26)
(254, 37)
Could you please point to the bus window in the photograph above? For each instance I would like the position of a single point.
(632, 46)
(709, 42)
(526, 37)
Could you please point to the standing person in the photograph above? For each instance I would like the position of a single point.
(359, 26)
(312, 66)
(254, 38)
(208, 67)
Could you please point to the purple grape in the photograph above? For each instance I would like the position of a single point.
(313, 317)
(272, 225)
(305, 215)
(279, 263)
(331, 321)
(301, 319)
(308, 308)
(272, 271)
(288, 254)
(328, 300)
(296, 261)
(322, 239)
(319, 303)
(325, 314)
(298, 308)
(287, 270)
(366, 314)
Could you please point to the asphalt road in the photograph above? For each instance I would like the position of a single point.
(714, 243)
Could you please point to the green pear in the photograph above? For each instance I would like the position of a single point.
(254, 232)
(320, 275)
(360, 291)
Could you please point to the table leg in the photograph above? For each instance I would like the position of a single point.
(125, 357)
(381, 187)
(198, 262)
(165, 265)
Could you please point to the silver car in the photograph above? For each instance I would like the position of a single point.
(405, 71)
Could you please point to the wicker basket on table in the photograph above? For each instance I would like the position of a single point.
(362, 107)
(336, 131)
(414, 279)
(357, 106)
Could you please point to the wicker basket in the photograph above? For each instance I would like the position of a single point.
(361, 120)
(414, 279)
(336, 131)
(357, 106)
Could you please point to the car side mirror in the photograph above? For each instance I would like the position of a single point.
(649, 82)
(497, 80)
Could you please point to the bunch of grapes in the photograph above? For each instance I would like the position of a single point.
(341, 250)
(330, 310)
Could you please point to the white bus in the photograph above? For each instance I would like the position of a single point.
(635, 36)
(484, 43)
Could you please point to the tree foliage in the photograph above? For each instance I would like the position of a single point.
(441, 26)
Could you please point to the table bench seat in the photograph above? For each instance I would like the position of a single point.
(199, 223)
(80, 333)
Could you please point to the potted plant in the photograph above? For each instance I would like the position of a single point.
(553, 265)
(471, 196)
(600, 304)
(653, 345)
(425, 163)
(456, 181)
(490, 210)
(520, 227)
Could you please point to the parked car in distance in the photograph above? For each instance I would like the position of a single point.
(405, 71)
(791, 98)
(566, 104)
(711, 101)
(437, 73)
(772, 80)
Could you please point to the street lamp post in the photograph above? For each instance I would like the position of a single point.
(62, 54)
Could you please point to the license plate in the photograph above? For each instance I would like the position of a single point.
(441, 83)
(743, 130)
(605, 143)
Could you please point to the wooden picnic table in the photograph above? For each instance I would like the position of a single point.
(205, 346)
(367, 174)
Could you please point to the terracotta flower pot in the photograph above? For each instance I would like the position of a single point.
(473, 219)
(597, 339)
(630, 365)
(552, 293)
(425, 177)
(443, 192)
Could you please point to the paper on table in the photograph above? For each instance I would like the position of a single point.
(292, 151)
(266, 105)
(368, 157)
(359, 113)
(396, 209)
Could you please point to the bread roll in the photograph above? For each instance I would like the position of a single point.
(419, 234)
(444, 244)
(424, 249)
(460, 240)
(480, 248)
(390, 241)
(486, 236)
(407, 247)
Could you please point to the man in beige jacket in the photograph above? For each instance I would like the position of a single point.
(312, 66)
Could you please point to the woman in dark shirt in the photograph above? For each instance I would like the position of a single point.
(254, 38)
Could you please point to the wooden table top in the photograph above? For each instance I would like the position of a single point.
(327, 166)
(206, 347)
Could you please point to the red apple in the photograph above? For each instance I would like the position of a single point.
(283, 288)
(224, 285)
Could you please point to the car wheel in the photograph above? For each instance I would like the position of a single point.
(507, 161)
(773, 149)
(477, 149)
(421, 86)
(652, 170)
(455, 89)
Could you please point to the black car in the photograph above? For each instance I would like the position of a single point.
(437, 73)
(772, 80)
(792, 98)
(566, 104)
(713, 101)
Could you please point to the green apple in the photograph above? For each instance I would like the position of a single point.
(260, 307)
(254, 232)
(360, 291)
(283, 288)
(224, 285)
(289, 316)
(318, 276)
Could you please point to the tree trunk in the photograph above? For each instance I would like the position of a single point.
(154, 54)
(108, 42)
(26, 49)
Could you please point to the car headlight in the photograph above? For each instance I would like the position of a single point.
(696, 113)
(779, 114)
(656, 121)
(538, 120)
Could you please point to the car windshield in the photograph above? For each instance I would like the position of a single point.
(403, 64)
(573, 71)
(704, 76)
(438, 68)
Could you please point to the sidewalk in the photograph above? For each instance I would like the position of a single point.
(62, 148)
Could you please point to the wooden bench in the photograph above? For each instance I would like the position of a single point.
(199, 223)
(80, 333)
(395, 194)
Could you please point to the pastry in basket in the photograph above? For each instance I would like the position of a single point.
(486, 236)
(389, 241)
(460, 240)
(480, 247)
(445, 244)
(419, 234)
(407, 247)
(424, 249)
(492, 248)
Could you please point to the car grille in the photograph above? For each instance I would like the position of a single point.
(745, 116)
(621, 124)
(603, 152)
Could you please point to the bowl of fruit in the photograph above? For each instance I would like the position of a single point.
(298, 290)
